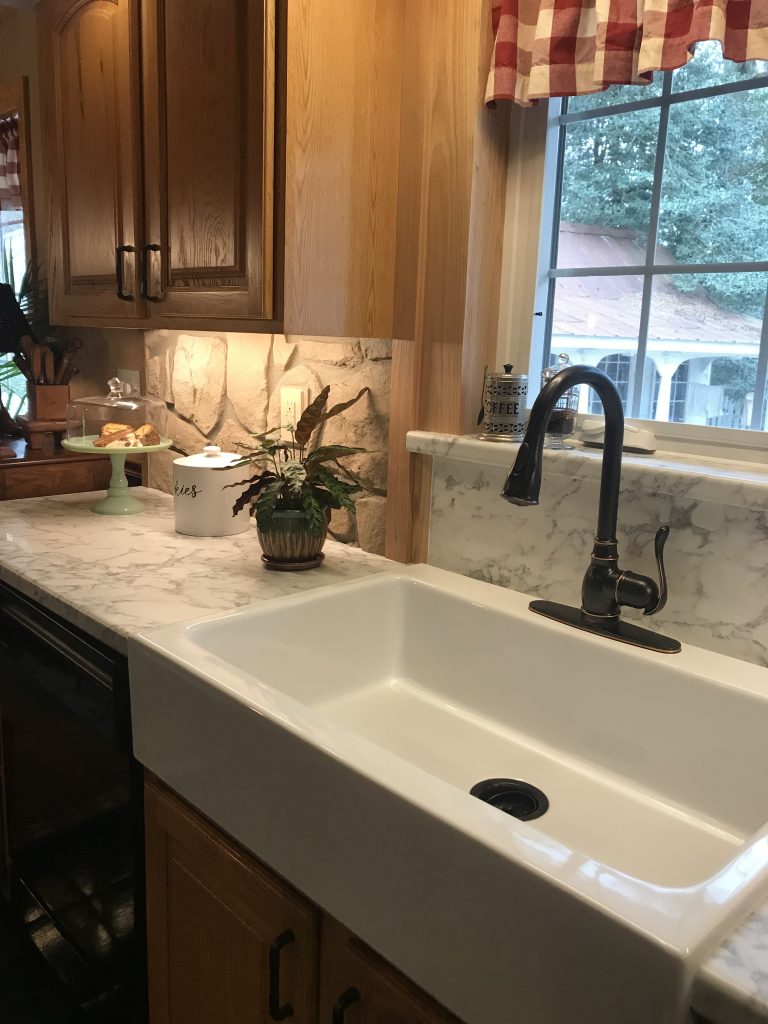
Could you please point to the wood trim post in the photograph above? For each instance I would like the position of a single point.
(450, 233)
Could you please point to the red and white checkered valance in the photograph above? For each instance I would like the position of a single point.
(10, 187)
(549, 48)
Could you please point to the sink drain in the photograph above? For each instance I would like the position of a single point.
(520, 799)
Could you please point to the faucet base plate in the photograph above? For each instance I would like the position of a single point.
(624, 632)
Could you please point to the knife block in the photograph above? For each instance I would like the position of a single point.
(49, 401)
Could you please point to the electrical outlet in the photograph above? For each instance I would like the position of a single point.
(293, 402)
(132, 378)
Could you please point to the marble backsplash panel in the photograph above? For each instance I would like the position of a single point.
(716, 556)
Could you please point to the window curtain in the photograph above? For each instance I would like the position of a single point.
(10, 187)
(549, 48)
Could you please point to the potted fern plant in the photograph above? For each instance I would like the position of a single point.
(296, 486)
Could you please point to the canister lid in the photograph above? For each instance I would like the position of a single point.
(211, 457)
(507, 374)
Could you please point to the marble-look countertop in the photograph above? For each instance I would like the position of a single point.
(114, 576)
(696, 477)
(732, 985)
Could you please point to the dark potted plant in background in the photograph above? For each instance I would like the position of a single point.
(298, 484)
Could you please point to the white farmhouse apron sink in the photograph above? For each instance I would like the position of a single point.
(337, 735)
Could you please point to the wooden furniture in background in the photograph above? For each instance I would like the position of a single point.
(231, 942)
(33, 474)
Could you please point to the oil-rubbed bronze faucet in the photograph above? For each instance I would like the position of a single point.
(606, 587)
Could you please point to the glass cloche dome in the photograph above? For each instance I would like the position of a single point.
(117, 420)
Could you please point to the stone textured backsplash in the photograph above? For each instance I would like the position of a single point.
(221, 388)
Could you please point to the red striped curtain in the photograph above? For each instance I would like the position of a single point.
(10, 187)
(549, 48)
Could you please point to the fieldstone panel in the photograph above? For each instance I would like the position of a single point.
(335, 353)
(247, 372)
(199, 376)
(372, 523)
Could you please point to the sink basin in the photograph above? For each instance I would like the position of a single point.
(338, 734)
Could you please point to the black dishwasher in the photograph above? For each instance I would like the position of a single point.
(73, 809)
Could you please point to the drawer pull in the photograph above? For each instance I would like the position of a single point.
(352, 995)
(276, 1011)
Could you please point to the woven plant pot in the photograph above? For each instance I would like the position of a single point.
(288, 545)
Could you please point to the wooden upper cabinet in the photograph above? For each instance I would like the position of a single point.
(89, 65)
(245, 153)
(208, 108)
(342, 154)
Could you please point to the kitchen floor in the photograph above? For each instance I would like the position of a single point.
(30, 994)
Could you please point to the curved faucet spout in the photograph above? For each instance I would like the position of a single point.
(523, 483)
(606, 587)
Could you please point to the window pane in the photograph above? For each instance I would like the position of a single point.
(13, 257)
(704, 339)
(715, 189)
(708, 68)
(598, 318)
(615, 94)
(607, 181)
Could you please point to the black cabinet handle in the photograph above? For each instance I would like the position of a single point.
(145, 251)
(276, 1011)
(121, 294)
(352, 995)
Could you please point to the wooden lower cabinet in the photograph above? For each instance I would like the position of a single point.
(231, 943)
(358, 987)
(228, 941)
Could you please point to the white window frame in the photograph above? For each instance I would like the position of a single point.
(530, 203)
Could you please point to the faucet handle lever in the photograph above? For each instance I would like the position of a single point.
(658, 545)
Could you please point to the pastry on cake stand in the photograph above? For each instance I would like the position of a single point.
(117, 425)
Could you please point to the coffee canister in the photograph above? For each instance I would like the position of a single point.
(505, 405)
(202, 505)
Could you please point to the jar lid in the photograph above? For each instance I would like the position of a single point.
(563, 360)
(211, 457)
(507, 374)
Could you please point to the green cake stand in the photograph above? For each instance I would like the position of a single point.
(119, 500)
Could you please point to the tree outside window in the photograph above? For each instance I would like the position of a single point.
(659, 250)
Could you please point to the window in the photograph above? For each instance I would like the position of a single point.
(618, 368)
(654, 249)
(678, 393)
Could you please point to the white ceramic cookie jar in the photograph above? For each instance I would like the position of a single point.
(202, 500)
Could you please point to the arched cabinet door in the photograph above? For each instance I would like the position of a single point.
(209, 140)
(91, 92)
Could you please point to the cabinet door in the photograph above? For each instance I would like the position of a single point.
(228, 941)
(89, 66)
(358, 987)
(209, 91)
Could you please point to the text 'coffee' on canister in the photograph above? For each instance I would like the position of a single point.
(505, 406)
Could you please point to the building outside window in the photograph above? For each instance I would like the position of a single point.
(654, 245)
